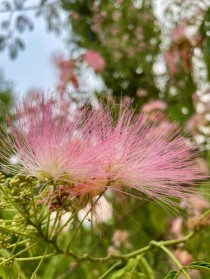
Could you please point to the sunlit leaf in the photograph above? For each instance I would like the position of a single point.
(172, 275)
(200, 265)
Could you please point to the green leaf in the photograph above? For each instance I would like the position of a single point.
(172, 275)
(200, 265)
(122, 272)
(119, 274)
(145, 267)
(134, 275)
(129, 272)
(14, 271)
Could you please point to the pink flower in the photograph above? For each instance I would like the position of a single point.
(93, 151)
(180, 33)
(197, 120)
(126, 100)
(172, 59)
(135, 154)
(154, 105)
(199, 204)
(141, 93)
(202, 166)
(48, 145)
(67, 72)
(183, 256)
(94, 60)
(121, 238)
(179, 54)
(176, 227)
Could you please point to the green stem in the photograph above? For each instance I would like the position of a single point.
(19, 253)
(69, 220)
(48, 224)
(145, 267)
(80, 224)
(168, 252)
(16, 244)
(33, 204)
(13, 203)
(39, 265)
(113, 267)
(54, 224)
(126, 257)
(19, 243)
(32, 258)
(41, 218)
(16, 232)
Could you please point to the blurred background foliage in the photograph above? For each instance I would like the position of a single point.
(6, 89)
(156, 53)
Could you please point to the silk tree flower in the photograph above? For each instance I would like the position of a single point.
(47, 144)
(96, 151)
(136, 154)
(94, 60)
(154, 105)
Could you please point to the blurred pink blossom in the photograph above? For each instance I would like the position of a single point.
(197, 120)
(179, 54)
(176, 227)
(121, 238)
(179, 33)
(199, 204)
(94, 60)
(67, 72)
(202, 166)
(74, 15)
(126, 100)
(141, 93)
(172, 59)
(154, 105)
(116, 15)
(183, 256)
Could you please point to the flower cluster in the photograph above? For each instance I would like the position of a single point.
(94, 60)
(100, 149)
(179, 54)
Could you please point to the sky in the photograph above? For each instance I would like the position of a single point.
(33, 68)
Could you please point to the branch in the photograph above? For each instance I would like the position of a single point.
(29, 8)
(143, 250)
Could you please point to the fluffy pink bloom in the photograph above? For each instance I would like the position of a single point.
(136, 154)
(94, 60)
(179, 54)
(154, 105)
(202, 166)
(67, 72)
(47, 144)
(194, 123)
(95, 151)
(171, 57)
(179, 33)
